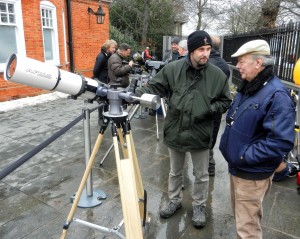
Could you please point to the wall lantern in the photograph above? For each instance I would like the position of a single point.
(99, 14)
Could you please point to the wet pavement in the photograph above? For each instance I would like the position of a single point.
(35, 199)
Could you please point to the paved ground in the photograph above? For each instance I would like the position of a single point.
(35, 198)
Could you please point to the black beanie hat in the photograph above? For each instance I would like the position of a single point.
(198, 39)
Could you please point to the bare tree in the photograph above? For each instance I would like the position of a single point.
(244, 16)
(269, 13)
(292, 6)
(235, 17)
(289, 12)
(145, 21)
(201, 5)
(196, 11)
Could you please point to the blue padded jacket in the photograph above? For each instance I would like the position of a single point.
(259, 131)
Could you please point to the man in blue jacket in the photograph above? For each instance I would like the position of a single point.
(259, 132)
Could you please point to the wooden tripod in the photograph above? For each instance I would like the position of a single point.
(133, 195)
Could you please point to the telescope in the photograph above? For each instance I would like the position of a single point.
(154, 66)
(27, 71)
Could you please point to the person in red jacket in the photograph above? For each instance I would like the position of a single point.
(147, 55)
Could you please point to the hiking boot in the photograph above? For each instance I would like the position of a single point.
(199, 216)
(211, 170)
(169, 208)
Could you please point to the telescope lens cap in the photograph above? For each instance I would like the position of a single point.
(11, 66)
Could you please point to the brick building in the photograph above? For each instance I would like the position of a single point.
(60, 32)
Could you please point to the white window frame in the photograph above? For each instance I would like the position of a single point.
(19, 30)
(49, 6)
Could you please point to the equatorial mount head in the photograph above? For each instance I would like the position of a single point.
(117, 98)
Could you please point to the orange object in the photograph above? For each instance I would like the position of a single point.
(296, 73)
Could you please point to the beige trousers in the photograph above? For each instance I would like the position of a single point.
(200, 171)
(246, 198)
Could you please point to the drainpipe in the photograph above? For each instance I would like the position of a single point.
(70, 35)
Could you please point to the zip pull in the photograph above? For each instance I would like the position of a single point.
(230, 120)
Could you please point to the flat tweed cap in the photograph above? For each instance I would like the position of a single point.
(259, 47)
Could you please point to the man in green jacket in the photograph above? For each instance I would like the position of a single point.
(197, 90)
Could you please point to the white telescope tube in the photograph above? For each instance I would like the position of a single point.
(38, 74)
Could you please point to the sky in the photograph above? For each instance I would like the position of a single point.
(190, 27)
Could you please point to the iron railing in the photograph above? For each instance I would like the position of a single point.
(284, 43)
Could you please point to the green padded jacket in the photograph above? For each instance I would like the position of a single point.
(195, 96)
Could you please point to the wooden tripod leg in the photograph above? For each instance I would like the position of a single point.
(122, 142)
(128, 192)
(82, 184)
(139, 181)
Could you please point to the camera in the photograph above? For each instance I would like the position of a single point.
(137, 67)
(154, 66)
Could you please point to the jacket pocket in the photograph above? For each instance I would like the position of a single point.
(224, 142)
(234, 143)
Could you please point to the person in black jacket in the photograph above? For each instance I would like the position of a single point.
(172, 54)
(198, 90)
(100, 68)
(215, 56)
(216, 59)
(100, 71)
